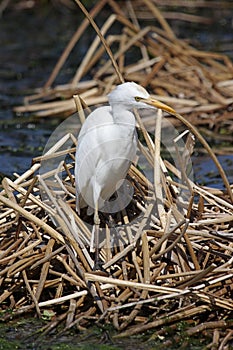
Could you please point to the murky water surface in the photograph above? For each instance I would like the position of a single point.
(31, 42)
(26, 334)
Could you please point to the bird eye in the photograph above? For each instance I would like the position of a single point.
(137, 99)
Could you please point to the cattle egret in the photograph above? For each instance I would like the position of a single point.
(107, 145)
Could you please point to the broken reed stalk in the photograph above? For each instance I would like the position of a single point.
(157, 171)
(92, 49)
(53, 233)
(93, 13)
(109, 52)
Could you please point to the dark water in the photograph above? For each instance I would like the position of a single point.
(26, 334)
(31, 42)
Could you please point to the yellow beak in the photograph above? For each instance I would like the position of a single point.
(155, 103)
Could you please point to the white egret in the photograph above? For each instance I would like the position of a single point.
(107, 145)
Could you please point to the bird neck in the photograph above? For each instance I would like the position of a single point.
(121, 115)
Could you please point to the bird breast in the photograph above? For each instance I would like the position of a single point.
(106, 148)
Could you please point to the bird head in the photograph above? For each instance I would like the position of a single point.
(131, 95)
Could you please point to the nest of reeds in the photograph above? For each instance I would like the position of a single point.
(167, 256)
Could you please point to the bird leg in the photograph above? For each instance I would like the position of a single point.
(97, 265)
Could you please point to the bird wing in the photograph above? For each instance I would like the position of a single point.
(104, 153)
(87, 142)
